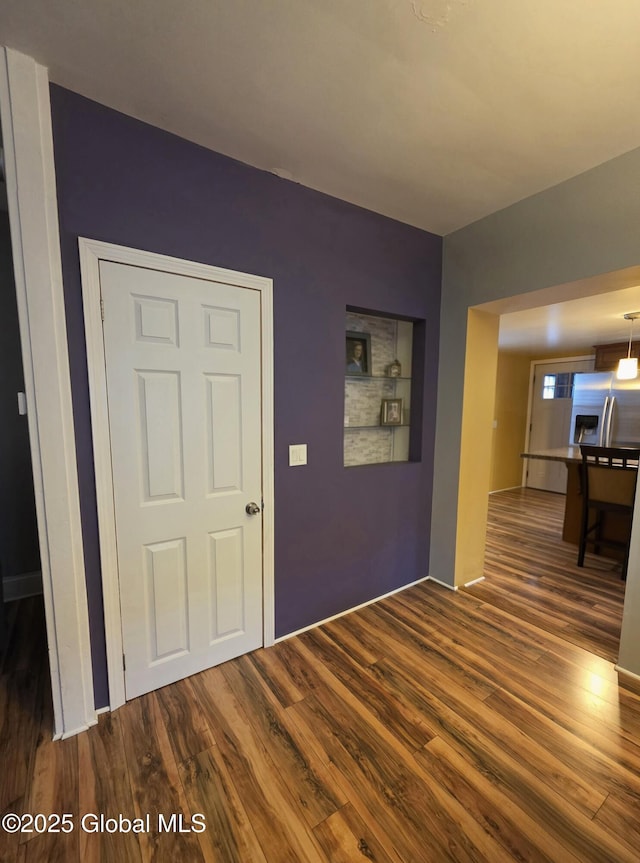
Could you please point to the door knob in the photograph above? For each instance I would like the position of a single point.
(252, 508)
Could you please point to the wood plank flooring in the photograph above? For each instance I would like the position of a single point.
(480, 725)
(533, 575)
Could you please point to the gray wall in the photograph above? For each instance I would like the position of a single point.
(587, 226)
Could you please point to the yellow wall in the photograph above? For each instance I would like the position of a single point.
(510, 420)
(477, 432)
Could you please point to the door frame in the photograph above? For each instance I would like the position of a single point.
(91, 253)
(35, 240)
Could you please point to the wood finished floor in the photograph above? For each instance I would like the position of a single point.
(482, 725)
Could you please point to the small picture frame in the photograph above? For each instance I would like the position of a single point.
(358, 353)
(394, 369)
(391, 412)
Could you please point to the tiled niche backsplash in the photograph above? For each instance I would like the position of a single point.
(363, 396)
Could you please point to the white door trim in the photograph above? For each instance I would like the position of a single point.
(91, 253)
(31, 192)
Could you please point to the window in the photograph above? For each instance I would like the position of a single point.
(558, 386)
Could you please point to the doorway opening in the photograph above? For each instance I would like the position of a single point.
(479, 411)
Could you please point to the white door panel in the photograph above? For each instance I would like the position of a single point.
(550, 425)
(183, 383)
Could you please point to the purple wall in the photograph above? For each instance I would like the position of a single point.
(343, 536)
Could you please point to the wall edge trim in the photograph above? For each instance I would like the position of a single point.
(35, 238)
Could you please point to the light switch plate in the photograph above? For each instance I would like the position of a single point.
(297, 454)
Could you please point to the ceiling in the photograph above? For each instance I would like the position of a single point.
(575, 325)
(433, 112)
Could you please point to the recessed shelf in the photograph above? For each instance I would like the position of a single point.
(377, 378)
(369, 397)
(378, 427)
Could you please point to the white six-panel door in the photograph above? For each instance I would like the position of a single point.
(183, 376)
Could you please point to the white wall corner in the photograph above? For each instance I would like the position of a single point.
(32, 201)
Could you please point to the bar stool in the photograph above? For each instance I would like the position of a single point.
(608, 477)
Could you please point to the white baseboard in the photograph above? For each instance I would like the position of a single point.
(628, 679)
(441, 583)
(349, 610)
(475, 581)
(371, 601)
(76, 731)
(21, 586)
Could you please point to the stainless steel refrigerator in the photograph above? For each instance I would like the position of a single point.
(605, 411)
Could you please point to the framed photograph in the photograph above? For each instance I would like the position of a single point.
(391, 412)
(358, 356)
(394, 369)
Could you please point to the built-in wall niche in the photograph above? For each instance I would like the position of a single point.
(377, 389)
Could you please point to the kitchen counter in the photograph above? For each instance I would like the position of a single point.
(568, 454)
(571, 456)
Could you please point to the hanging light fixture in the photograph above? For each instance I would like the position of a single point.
(628, 366)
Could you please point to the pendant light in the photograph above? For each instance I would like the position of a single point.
(628, 366)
